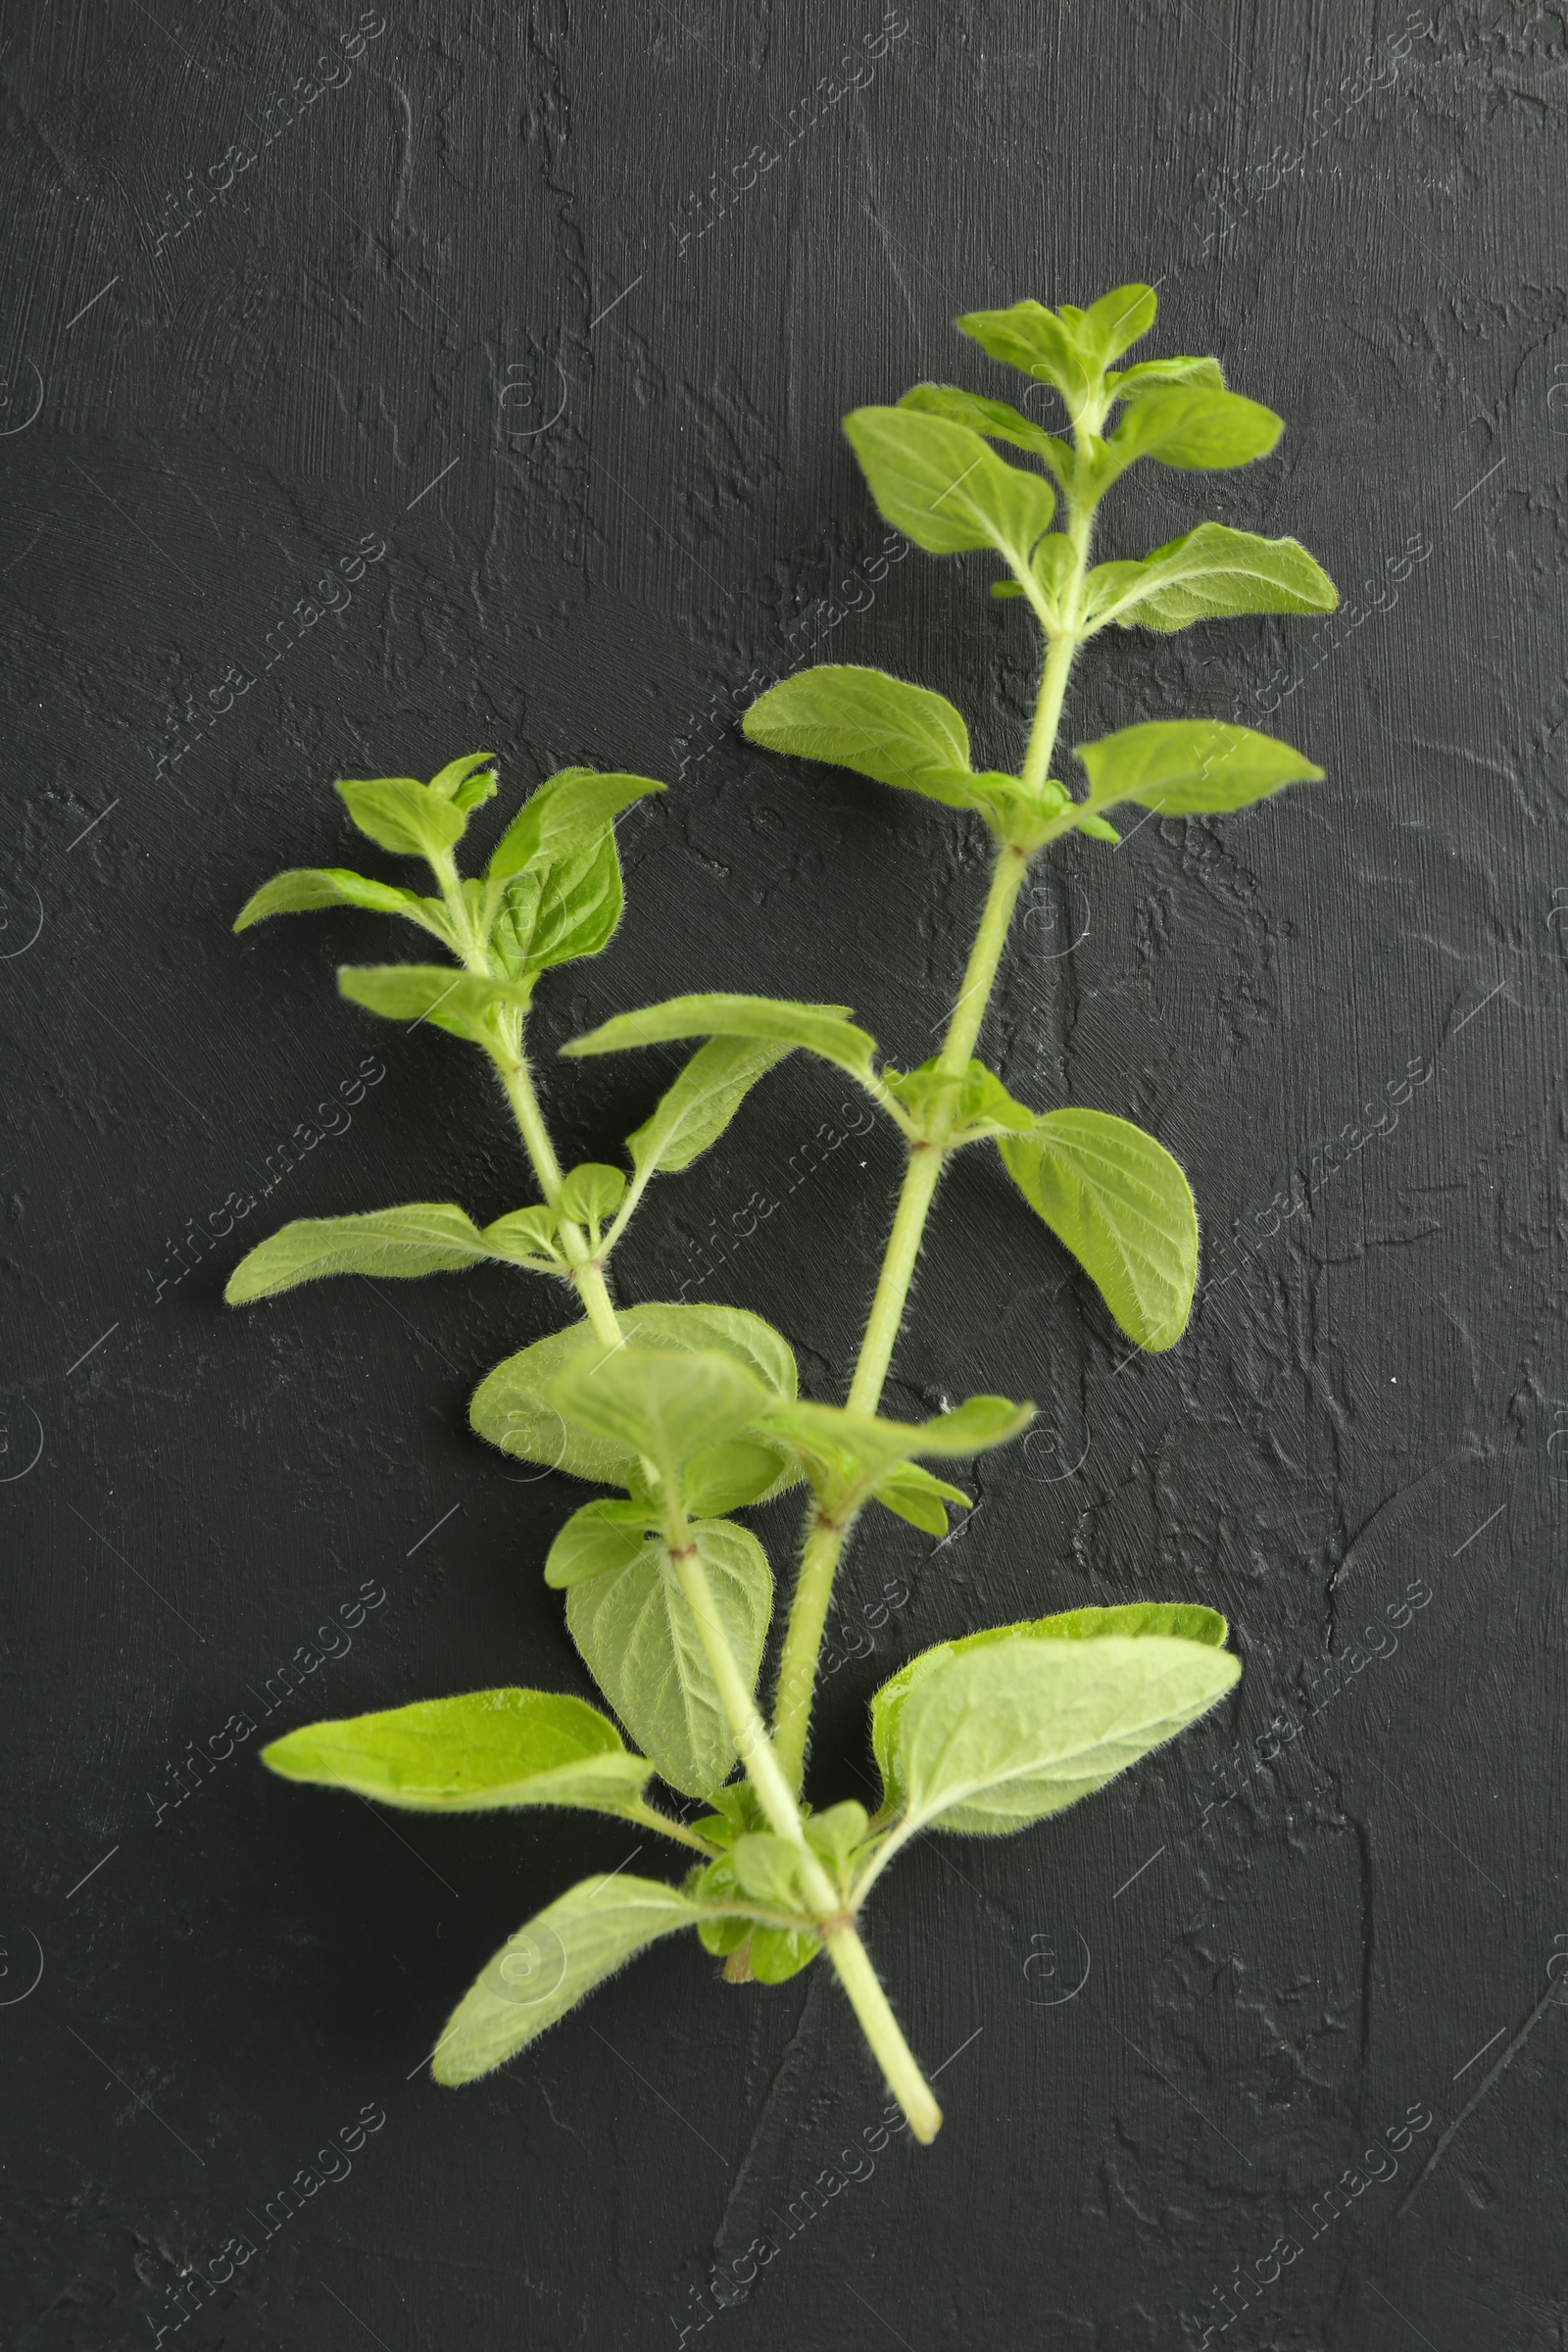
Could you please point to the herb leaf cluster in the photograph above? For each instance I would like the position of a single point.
(690, 1414)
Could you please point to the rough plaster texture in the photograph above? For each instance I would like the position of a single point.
(481, 309)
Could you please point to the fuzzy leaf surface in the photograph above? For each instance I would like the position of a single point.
(944, 488)
(307, 888)
(914, 1494)
(1180, 1621)
(1118, 1199)
(695, 1111)
(426, 1237)
(557, 912)
(548, 1966)
(992, 1739)
(602, 1536)
(569, 813)
(512, 1405)
(821, 1029)
(976, 1101)
(1127, 383)
(995, 420)
(1212, 573)
(1190, 426)
(666, 1404)
(847, 1455)
(401, 814)
(643, 1646)
(485, 1751)
(592, 1193)
(525, 1236)
(467, 782)
(1190, 766)
(461, 1003)
(863, 719)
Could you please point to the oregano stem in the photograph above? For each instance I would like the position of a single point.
(511, 1067)
(588, 1277)
(883, 2032)
(778, 1802)
(823, 1546)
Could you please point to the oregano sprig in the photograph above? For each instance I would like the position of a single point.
(692, 1413)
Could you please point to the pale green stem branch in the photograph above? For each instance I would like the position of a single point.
(649, 1817)
(883, 2032)
(512, 1066)
(778, 1802)
(823, 1546)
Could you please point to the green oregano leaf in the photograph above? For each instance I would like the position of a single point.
(468, 783)
(425, 1237)
(845, 1456)
(464, 1003)
(486, 1750)
(569, 813)
(1182, 1621)
(644, 1649)
(864, 719)
(1208, 575)
(405, 816)
(577, 907)
(942, 488)
(779, 1953)
(526, 1236)
(309, 888)
(602, 1536)
(592, 1194)
(911, 1493)
(1189, 425)
(821, 1029)
(996, 419)
(1118, 1199)
(665, 1404)
(548, 1966)
(1190, 766)
(512, 1406)
(974, 1102)
(696, 1110)
(994, 1738)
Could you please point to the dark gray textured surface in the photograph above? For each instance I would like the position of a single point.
(384, 330)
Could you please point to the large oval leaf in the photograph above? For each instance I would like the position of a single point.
(548, 1966)
(1190, 766)
(512, 1405)
(1208, 575)
(664, 1404)
(995, 1738)
(1182, 1621)
(1117, 1199)
(944, 488)
(473, 1754)
(645, 1650)
(866, 720)
(1190, 424)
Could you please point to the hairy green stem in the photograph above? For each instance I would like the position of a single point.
(649, 1817)
(585, 1269)
(883, 2032)
(778, 1799)
(511, 1067)
(823, 1545)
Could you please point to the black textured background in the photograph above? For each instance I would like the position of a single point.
(558, 307)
